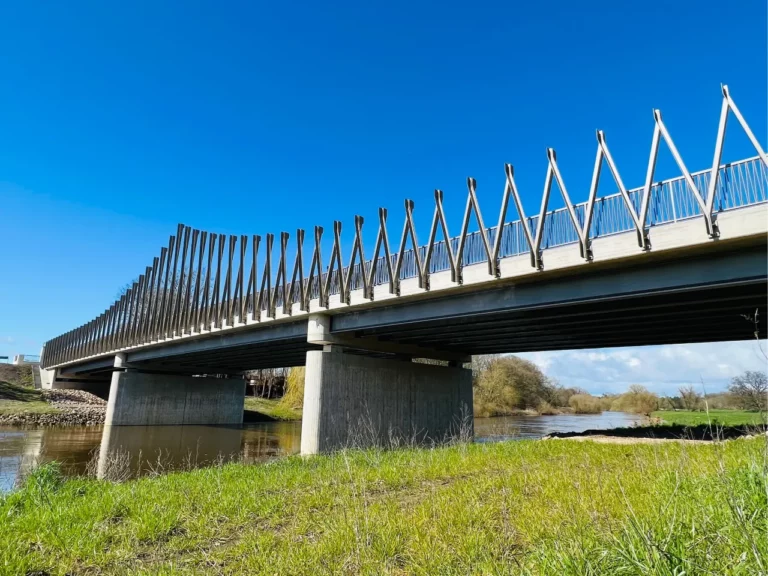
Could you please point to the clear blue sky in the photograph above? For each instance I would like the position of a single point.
(119, 120)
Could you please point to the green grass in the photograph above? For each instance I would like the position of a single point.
(272, 408)
(525, 507)
(19, 375)
(35, 407)
(17, 399)
(722, 417)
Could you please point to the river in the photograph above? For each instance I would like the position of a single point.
(136, 450)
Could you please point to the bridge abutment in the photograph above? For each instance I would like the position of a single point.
(95, 384)
(358, 401)
(145, 399)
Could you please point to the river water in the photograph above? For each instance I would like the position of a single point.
(135, 450)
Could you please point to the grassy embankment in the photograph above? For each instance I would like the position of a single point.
(17, 393)
(289, 407)
(527, 507)
(719, 417)
(272, 408)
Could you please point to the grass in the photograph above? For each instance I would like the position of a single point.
(272, 408)
(525, 507)
(16, 399)
(19, 375)
(722, 417)
(34, 407)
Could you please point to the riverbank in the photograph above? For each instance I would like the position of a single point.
(25, 406)
(79, 408)
(271, 408)
(529, 507)
(667, 432)
(22, 405)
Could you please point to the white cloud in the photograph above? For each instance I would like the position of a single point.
(662, 369)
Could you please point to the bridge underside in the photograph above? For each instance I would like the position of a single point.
(722, 312)
(710, 298)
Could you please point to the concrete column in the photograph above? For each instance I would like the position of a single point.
(142, 399)
(48, 377)
(352, 400)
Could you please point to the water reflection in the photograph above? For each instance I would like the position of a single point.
(21, 449)
(126, 451)
(135, 450)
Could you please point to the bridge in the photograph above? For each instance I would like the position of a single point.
(678, 261)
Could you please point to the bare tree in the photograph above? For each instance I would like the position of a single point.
(690, 399)
(481, 363)
(751, 389)
(267, 382)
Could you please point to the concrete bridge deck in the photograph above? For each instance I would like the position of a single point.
(692, 293)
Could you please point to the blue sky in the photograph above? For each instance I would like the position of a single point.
(118, 121)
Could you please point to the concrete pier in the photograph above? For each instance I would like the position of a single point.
(352, 400)
(143, 399)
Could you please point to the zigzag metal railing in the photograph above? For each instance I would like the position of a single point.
(191, 288)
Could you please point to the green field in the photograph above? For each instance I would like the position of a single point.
(525, 507)
(721, 417)
(33, 407)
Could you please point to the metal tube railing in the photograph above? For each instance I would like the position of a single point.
(170, 301)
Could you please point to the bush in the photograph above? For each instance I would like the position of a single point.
(638, 400)
(507, 384)
(585, 404)
(546, 409)
(607, 401)
(294, 388)
(722, 401)
(559, 396)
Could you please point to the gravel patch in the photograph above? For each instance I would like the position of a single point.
(72, 397)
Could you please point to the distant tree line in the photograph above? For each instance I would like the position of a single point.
(505, 385)
(748, 391)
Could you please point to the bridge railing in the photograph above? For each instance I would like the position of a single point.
(740, 184)
(201, 282)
